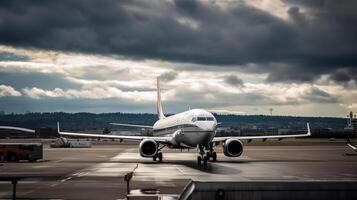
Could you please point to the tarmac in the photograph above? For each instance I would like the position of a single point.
(98, 172)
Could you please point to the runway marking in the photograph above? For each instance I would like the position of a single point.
(178, 166)
(66, 179)
(22, 182)
(179, 169)
(39, 167)
(160, 174)
(54, 184)
(59, 160)
(108, 169)
(337, 149)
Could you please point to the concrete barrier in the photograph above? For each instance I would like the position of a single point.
(270, 190)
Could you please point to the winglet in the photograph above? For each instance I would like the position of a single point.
(308, 129)
(58, 127)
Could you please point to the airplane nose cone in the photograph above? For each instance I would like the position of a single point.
(207, 132)
(208, 126)
(201, 137)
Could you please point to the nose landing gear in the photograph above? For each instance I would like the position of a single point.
(203, 158)
(211, 153)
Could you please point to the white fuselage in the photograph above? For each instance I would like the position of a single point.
(187, 129)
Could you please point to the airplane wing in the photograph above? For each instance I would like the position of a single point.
(18, 129)
(131, 125)
(264, 137)
(108, 136)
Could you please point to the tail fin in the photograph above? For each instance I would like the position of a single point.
(160, 111)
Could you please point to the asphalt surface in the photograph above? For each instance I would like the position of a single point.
(98, 172)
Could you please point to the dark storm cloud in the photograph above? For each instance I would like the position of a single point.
(318, 96)
(345, 76)
(168, 76)
(292, 73)
(340, 77)
(318, 37)
(233, 80)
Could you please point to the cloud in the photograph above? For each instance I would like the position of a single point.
(5, 56)
(353, 106)
(37, 93)
(64, 77)
(310, 38)
(90, 93)
(6, 90)
(233, 80)
(344, 76)
(286, 53)
(20, 80)
(317, 95)
(168, 76)
(292, 94)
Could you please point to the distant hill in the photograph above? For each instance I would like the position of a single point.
(83, 121)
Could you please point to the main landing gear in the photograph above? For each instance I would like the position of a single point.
(202, 157)
(205, 157)
(157, 156)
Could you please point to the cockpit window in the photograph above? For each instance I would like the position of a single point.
(194, 119)
(201, 118)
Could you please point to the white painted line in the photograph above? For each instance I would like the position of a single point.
(66, 179)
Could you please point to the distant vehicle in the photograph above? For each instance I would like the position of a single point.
(14, 152)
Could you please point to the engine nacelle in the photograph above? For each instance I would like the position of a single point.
(232, 148)
(148, 148)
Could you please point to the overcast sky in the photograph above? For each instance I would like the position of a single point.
(242, 56)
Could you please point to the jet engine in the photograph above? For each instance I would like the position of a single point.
(232, 148)
(148, 148)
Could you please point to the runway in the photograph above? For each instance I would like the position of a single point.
(98, 172)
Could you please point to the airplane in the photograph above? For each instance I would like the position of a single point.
(191, 129)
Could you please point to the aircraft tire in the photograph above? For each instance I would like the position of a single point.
(154, 157)
(214, 156)
(199, 160)
(208, 154)
(205, 159)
